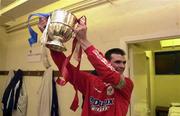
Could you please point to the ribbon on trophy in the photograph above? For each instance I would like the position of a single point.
(67, 31)
(77, 50)
(33, 39)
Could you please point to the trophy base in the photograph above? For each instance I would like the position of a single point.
(56, 46)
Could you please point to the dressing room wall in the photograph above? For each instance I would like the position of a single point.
(109, 25)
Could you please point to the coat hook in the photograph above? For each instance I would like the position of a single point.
(38, 73)
(28, 73)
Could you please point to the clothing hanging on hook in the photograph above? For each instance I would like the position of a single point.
(48, 99)
(15, 98)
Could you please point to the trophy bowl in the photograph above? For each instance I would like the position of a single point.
(60, 29)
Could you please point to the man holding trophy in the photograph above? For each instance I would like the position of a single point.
(106, 95)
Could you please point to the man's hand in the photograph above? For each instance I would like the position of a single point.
(121, 83)
(81, 33)
(42, 23)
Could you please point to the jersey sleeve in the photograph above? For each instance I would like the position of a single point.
(77, 78)
(126, 91)
(102, 66)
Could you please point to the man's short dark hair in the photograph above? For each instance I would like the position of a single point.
(114, 51)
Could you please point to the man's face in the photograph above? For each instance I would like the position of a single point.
(118, 62)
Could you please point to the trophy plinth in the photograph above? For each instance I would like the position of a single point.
(56, 45)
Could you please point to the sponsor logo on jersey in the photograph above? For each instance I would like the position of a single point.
(100, 105)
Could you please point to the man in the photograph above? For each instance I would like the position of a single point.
(110, 93)
(116, 57)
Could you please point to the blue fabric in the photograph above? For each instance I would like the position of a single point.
(33, 39)
(10, 93)
(54, 106)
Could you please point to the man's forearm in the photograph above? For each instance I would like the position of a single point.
(85, 44)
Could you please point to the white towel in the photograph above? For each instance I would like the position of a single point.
(45, 94)
(174, 111)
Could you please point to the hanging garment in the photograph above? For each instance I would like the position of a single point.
(6, 103)
(14, 100)
(48, 106)
(22, 103)
(54, 106)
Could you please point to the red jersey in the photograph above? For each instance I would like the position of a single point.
(101, 97)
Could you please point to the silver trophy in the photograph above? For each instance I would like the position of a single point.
(60, 29)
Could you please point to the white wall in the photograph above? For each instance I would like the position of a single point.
(109, 25)
(3, 46)
(152, 96)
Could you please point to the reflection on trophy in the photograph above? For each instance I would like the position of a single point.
(60, 29)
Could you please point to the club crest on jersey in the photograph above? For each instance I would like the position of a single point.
(110, 90)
